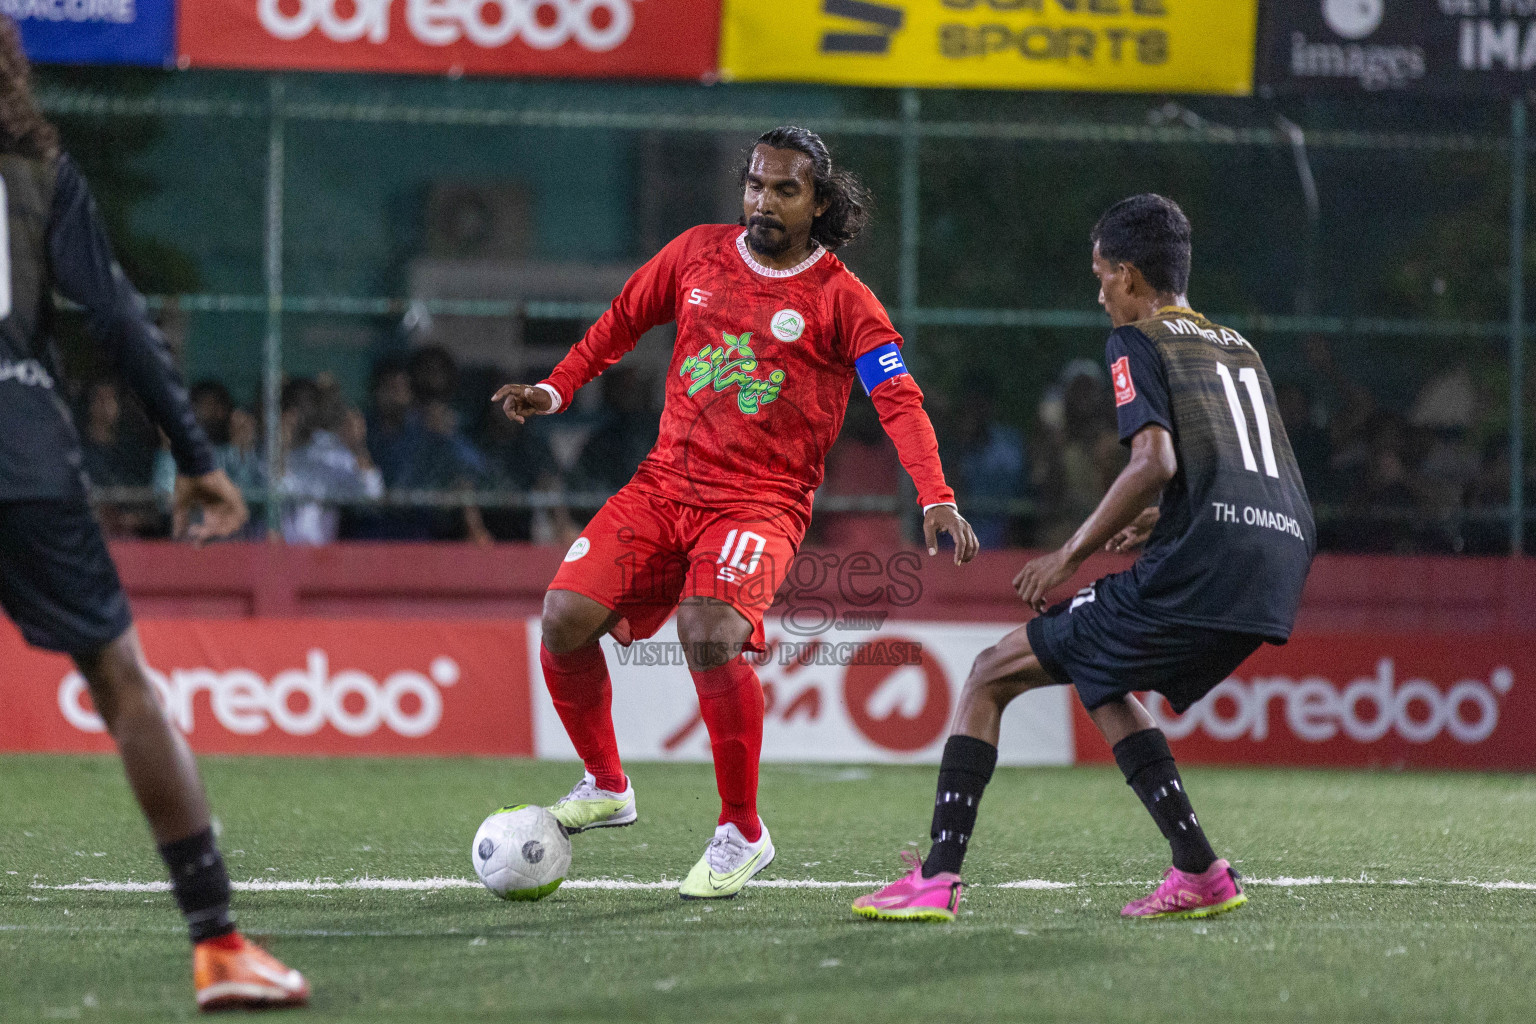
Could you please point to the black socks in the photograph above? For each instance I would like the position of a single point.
(963, 775)
(200, 883)
(1148, 766)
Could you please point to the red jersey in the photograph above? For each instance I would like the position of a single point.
(760, 373)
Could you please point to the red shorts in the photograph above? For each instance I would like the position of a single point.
(643, 553)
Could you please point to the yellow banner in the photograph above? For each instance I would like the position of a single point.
(1188, 46)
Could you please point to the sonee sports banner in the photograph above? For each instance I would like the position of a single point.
(1190, 46)
(573, 38)
(96, 31)
(1475, 46)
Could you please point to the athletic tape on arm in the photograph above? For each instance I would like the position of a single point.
(879, 365)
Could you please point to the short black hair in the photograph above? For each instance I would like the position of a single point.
(848, 201)
(1150, 233)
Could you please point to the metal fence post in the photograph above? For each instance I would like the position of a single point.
(272, 367)
(911, 141)
(1517, 326)
(906, 290)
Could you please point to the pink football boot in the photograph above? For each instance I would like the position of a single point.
(913, 897)
(1213, 891)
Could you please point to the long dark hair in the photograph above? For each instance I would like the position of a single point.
(23, 128)
(848, 201)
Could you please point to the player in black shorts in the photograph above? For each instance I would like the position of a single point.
(57, 581)
(1228, 544)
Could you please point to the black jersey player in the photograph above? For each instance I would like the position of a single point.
(57, 580)
(1213, 492)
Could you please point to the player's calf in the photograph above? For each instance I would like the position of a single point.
(1149, 769)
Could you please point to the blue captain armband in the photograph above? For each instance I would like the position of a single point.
(879, 365)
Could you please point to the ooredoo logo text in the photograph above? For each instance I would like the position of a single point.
(594, 25)
(296, 701)
(1365, 710)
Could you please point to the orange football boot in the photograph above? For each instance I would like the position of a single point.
(230, 972)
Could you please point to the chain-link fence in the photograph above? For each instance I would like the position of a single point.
(351, 264)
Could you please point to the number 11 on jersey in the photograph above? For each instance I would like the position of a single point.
(1250, 378)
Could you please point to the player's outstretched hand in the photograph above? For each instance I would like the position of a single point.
(947, 519)
(519, 401)
(1135, 535)
(1041, 576)
(223, 507)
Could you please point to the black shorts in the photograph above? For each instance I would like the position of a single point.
(57, 581)
(1106, 642)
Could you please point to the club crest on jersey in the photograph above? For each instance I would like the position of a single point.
(728, 365)
(1125, 388)
(787, 325)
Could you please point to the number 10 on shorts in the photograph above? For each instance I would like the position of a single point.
(734, 557)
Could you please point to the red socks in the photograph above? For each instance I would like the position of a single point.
(583, 696)
(731, 703)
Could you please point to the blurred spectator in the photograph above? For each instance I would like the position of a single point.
(1080, 450)
(213, 406)
(1387, 508)
(624, 435)
(113, 455)
(235, 434)
(519, 459)
(395, 433)
(1309, 440)
(992, 466)
(242, 457)
(1446, 411)
(862, 464)
(434, 374)
(327, 461)
(415, 439)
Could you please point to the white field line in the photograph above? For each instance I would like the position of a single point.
(438, 884)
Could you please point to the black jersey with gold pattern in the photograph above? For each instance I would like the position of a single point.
(1235, 540)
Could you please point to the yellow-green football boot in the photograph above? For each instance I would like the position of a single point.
(586, 806)
(728, 863)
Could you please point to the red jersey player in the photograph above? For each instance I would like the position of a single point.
(772, 330)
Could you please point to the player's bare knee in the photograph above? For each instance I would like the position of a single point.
(567, 622)
(711, 634)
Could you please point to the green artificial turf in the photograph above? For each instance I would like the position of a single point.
(1423, 950)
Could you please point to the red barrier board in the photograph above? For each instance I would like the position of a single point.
(306, 686)
(1411, 700)
(562, 38)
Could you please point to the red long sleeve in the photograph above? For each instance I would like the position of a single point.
(649, 299)
(899, 401)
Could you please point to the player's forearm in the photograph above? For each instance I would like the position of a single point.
(605, 343)
(1139, 485)
(145, 363)
(899, 402)
(84, 271)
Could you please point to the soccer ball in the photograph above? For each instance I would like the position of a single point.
(521, 853)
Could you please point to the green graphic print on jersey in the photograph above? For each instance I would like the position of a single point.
(732, 363)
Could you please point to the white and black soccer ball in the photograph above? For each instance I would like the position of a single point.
(521, 853)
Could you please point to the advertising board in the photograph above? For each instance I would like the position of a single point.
(1186, 46)
(564, 38)
(305, 686)
(96, 31)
